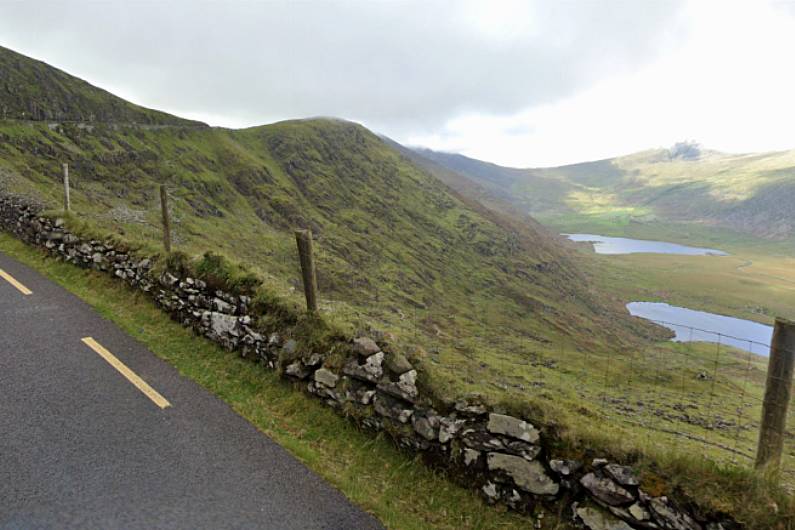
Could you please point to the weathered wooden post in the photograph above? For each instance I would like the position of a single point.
(67, 202)
(166, 218)
(307, 259)
(778, 390)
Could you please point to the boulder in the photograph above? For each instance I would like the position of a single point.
(528, 476)
(514, 427)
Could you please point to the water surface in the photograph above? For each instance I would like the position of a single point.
(690, 325)
(623, 245)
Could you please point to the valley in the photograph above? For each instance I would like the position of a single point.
(437, 256)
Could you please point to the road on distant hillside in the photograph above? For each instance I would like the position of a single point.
(97, 432)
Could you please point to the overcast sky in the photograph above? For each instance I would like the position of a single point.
(519, 83)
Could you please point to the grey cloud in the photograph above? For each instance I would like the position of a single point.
(395, 66)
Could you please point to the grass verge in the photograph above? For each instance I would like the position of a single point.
(371, 472)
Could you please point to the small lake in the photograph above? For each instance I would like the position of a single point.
(706, 326)
(623, 245)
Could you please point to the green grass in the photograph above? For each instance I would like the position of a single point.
(584, 410)
(397, 489)
(489, 303)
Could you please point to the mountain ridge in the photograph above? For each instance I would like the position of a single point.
(749, 193)
(398, 249)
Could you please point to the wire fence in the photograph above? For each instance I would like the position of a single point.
(702, 395)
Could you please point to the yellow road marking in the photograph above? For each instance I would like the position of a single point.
(131, 376)
(10, 279)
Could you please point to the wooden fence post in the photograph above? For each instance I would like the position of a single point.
(307, 259)
(67, 202)
(778, 390)
(166, 218)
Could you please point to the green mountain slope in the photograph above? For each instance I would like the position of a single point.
(398, 250)
(33, 90)
(751, 193)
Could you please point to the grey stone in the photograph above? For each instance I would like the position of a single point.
(564, 468)
(599, 462)
(426, 426)
(624, 475)
(405, 387)
(448, 428)
(390, 408)
(365, 346)
(326, 377)
(669, 517)
(221, 306)
(470, 456)
(490, 490)
(606, 490)
(370, 371)
(638, 512)
(366, 397)
(528, 476)
(222, 324)
(313, 359)
(523, 449)
(296, 369)
(595, 519)
(481, 440)
(473, 409)
(397, 363)
(514, 427)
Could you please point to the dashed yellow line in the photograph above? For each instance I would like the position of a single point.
(131, 376)
(10, 279)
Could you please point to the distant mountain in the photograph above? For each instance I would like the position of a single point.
(749, 193)
(33, 90)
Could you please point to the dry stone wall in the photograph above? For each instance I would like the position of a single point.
(507, 459)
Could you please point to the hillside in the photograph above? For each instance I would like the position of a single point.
(398, 250)
(482, 299)
(33, 90)
(747, 193)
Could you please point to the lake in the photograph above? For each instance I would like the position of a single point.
(623, 245)
(733, 331)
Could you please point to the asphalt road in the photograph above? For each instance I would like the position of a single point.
(81, 446)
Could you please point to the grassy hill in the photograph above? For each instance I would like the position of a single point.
(488, 301)
(748, 193)
(33, 90)
(398, 250)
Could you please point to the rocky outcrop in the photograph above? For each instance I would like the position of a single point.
(508, 459)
